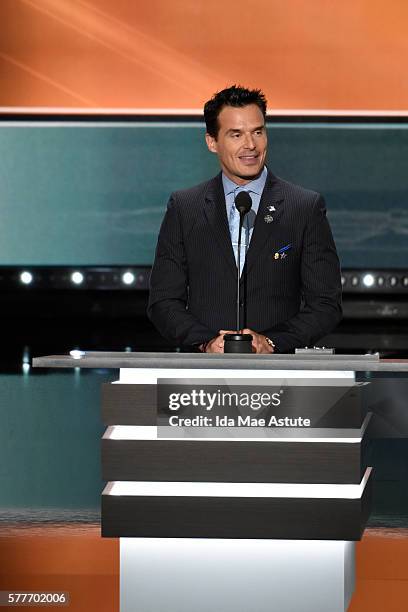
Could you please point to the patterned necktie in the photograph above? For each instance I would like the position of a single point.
(234, 231)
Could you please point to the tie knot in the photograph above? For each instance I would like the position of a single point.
(240, 190)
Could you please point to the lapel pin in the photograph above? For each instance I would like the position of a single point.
(271, 208)
(268, 218)
(276, 255)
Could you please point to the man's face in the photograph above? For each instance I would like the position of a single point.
(241, 142)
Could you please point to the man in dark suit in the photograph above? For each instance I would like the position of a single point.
(291, 275)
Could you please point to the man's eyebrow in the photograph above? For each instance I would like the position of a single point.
(238, 131)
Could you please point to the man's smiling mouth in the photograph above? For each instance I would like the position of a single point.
(249, 158)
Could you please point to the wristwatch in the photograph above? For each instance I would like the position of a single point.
(271, 344)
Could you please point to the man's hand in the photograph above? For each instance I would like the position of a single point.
(259, 342)
(216, 345)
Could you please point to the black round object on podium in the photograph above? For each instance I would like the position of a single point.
(237, 343)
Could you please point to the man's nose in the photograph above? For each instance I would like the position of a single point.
(249, 141)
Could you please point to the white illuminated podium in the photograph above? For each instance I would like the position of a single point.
(243, 518)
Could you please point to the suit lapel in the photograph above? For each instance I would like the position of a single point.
(272, 196)
(216, 213)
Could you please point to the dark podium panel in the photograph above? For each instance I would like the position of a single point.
(233, 461)
(191, 516)
(138, 404)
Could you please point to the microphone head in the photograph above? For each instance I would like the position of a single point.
(243, 202)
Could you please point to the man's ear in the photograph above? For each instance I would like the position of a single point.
(211, 143)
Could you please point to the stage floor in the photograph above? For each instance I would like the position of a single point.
(74, 558)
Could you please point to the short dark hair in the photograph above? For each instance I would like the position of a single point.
(232, 96)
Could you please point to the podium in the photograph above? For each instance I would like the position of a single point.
(243, 517)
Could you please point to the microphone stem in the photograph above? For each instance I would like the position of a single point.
(241, 221)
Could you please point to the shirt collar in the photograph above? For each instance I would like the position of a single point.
(256, 186)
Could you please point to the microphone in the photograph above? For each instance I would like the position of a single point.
(239, 343)
(243, 203)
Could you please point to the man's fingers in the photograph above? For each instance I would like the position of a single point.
(259, 343)
(216, 345)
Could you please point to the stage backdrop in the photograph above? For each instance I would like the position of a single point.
(159, 54)
(95, 193)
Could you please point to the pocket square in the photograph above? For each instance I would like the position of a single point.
(281, 254)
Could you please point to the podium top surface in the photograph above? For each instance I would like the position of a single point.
(117, 360)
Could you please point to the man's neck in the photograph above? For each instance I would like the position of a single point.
(242, 181)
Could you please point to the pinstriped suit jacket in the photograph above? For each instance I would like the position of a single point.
(294, 300)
